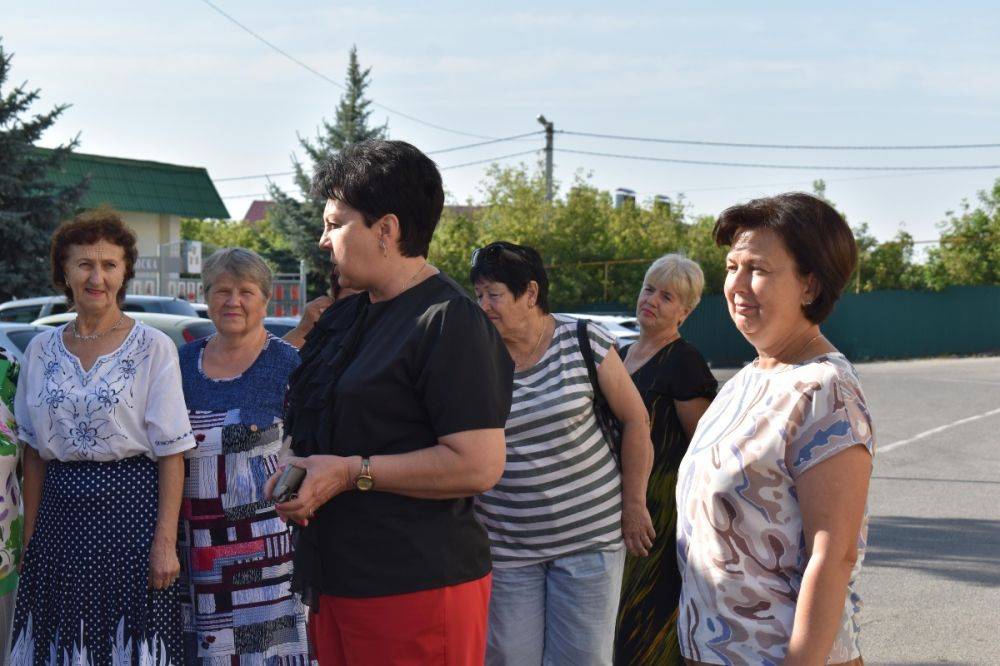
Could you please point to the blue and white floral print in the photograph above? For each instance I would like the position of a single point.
(129, 403)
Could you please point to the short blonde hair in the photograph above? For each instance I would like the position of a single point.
(680, 275)
(242, 264)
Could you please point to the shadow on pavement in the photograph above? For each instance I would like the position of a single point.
(957, 549)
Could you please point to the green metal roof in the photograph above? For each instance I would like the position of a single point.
(142, 186)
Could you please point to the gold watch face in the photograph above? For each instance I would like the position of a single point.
(364, 483)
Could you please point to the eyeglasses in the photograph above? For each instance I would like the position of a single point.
(495, 252)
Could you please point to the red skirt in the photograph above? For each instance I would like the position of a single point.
(445, 626)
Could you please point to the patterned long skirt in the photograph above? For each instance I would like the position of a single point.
(84, 596)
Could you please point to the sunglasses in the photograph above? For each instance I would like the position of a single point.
(495, 252)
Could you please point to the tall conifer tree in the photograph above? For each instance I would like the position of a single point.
(31, 204)
(299, 220)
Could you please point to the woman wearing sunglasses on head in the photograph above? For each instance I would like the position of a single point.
(558, 517)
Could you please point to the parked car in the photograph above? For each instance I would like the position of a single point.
(201, 309)
(180, 329)
(15, 337)
(625, 330)
(26, 310)
(280, 325)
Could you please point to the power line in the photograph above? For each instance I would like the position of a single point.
(260, 175)
(804, 167)
(780, 146)
(489, 160)
(429, 152)
(796, 183)
(333, 82)
(444, 168)
(484, 143)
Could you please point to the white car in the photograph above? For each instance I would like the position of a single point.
(15, 337)
(625, 330)
(25, 310)
(181, 330)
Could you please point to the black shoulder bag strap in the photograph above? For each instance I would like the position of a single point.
(610, 426)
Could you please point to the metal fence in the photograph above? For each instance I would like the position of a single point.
(958, 321)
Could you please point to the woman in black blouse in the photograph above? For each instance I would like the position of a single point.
(397, 416)
(676, 386)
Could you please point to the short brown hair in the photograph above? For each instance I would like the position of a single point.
(88, 228)
(816, 235)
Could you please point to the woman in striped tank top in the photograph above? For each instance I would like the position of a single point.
(563, 513)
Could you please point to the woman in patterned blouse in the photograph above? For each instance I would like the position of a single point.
(771, 495)
(236, 551)
(99, 406)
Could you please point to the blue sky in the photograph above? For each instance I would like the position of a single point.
(177, 82)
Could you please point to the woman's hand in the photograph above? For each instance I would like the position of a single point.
(164, 567)
(637, 528)
(326, 477)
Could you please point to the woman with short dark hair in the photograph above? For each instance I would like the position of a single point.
(563, 512)
(771, 496)
(397, 415)
(100, 407)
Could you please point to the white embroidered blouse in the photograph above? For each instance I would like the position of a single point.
(129, 403)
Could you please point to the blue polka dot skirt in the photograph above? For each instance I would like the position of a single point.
(84, 596)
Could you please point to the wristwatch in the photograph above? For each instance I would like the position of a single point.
(364, 480)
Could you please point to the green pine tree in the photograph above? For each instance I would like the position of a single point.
(31, 205)
(299, 220)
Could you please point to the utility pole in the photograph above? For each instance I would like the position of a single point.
(549, 132)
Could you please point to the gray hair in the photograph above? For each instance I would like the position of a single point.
(680, 275)
(239, 262)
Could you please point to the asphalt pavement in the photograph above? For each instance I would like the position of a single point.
(931, 578)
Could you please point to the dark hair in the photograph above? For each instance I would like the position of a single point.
(816, 236)
(88, 228)
(379, 178)
(514, 266)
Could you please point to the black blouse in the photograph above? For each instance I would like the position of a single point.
(388, 378)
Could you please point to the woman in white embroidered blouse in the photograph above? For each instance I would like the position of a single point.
(100, 407)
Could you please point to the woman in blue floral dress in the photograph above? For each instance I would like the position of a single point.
(100, 407)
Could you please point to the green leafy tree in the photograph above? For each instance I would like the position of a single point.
(261, 237)
(299, 219)
(31, 205)
(890, 265)
(969, 252)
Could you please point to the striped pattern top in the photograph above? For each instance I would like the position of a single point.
(561, 489)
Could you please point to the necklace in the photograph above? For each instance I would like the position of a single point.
(78, 336)
(797, 352)
(806, 345)
(545, 325)
(421, 270)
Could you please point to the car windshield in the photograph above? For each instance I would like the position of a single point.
(22, 338)
(174, 307)
(24, 314)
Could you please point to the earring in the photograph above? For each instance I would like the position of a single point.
(807, 303)
(385, 250)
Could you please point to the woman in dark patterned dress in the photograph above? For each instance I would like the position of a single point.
(676, 386)
(236, 552)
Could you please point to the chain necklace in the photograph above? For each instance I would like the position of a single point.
(95, 336)
(408, 282)
(797, 353)
(545, 325)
